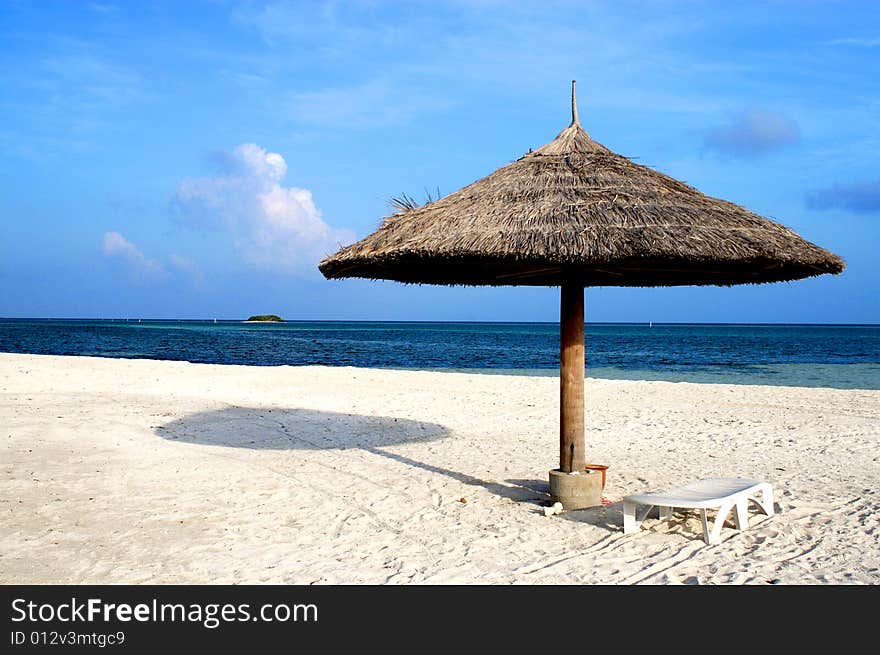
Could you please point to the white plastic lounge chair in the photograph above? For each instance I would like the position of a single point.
(722, 494)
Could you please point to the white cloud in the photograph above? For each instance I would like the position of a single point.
(145, 269)
(862, 197)
(189, 268)
(117, 246)
(83, 90)
(752, 134)
(103, 8)
(859, 42)
(273, 227)
(371, 104)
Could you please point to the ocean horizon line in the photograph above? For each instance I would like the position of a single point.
(424, 322)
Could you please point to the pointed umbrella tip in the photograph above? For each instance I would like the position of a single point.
(574, 108)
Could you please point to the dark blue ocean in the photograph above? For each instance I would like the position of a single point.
(838, 356)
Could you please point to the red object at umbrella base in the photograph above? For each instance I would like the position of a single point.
(598, 467)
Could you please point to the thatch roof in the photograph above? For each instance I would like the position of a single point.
(573, 211)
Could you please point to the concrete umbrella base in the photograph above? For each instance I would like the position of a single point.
(576, 490)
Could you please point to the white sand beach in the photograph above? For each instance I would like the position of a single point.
(139, 471)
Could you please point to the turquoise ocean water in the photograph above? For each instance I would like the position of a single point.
(837, 356)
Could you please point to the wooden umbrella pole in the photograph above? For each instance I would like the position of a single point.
(571, 379)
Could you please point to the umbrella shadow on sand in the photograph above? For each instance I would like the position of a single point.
(264, 428)
(260, 428)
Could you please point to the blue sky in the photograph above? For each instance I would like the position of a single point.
(197, 159)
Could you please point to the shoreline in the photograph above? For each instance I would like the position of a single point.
(152, 471)
(722, 376)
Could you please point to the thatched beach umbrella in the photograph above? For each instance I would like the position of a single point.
(575, 214)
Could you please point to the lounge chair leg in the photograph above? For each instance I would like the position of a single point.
(715, 536)
(766, 502)
(665, 513)
(632, 519)
(741, 515)
(705, 520)
(629, 518)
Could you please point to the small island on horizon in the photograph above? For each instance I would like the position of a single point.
(265, 318)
